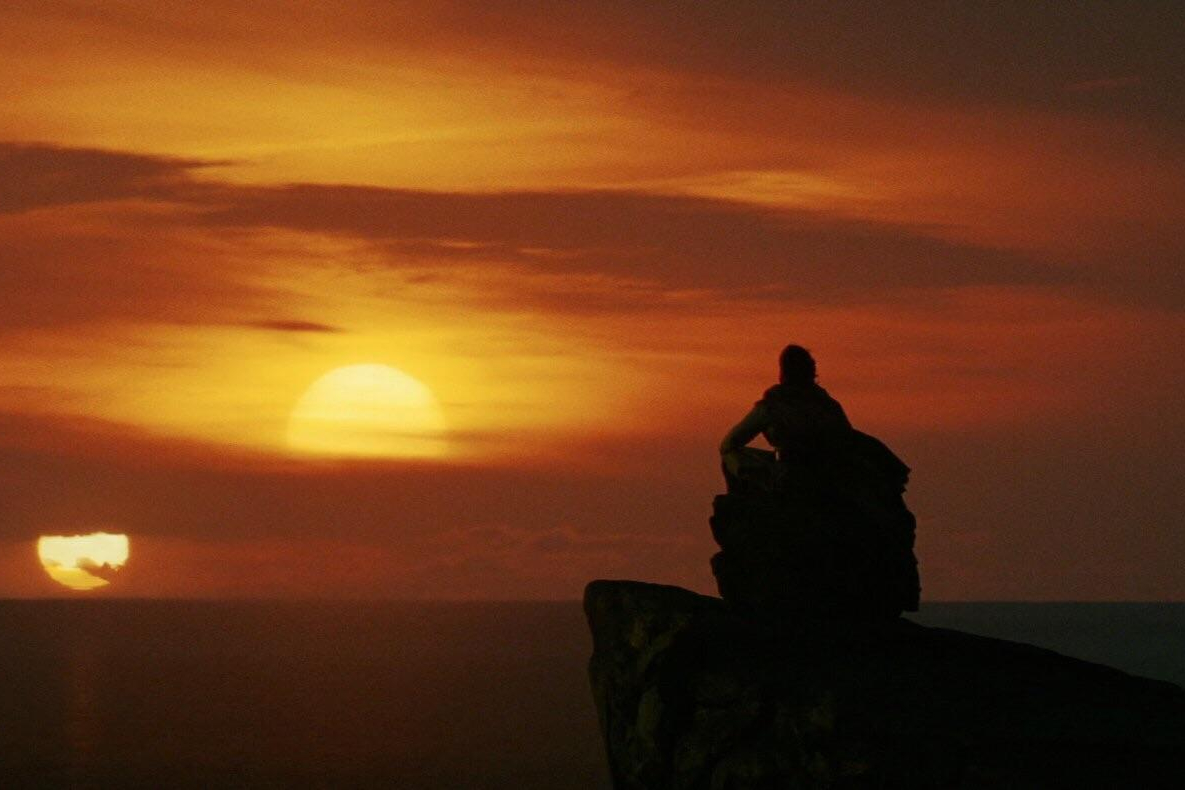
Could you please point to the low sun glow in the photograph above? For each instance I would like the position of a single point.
(367, 411)
(83, 562)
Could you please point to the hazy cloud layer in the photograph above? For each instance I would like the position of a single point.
(1017, 54)
(82, 267)
(677, 242)
(672, 242)
(293, 325)
(38, 175)
(143, 237)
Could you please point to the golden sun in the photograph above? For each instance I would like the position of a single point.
(83, 562)
(367, 411)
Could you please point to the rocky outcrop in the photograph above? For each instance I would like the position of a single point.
(786, 551)
(821, 534)
(694, 693)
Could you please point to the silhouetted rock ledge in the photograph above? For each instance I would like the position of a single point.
(691, 694)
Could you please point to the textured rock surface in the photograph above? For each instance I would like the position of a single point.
(691, 694)
(794, 551)
(823, 533)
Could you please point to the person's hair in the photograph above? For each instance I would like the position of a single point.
(796, 366)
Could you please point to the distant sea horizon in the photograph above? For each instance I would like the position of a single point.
(192, 692)
(90, 596)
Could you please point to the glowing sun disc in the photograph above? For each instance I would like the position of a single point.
(367, 411)
(82, 562)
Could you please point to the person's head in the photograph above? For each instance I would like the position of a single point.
(796, 366)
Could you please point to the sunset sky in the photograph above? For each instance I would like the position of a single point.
(586, 229)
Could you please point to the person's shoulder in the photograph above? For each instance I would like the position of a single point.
(792, 391)
(824, 394)
(797, 395)
(774, 393)
(832, 404)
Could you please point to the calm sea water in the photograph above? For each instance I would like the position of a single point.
(408, 695)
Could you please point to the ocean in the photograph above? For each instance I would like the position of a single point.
(119, 693)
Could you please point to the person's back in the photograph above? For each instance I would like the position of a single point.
(796, 416)
(802, 417)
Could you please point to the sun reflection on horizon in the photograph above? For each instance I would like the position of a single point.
(83, 562)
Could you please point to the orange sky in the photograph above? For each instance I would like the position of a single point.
(587, 228)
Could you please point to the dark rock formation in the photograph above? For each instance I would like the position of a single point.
(829, 535)
(692, 693)
(788, 552)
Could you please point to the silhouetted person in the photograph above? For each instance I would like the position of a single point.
(824, 471)
(797, 416)
(810, 434)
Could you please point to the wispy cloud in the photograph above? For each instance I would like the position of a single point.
(667, 242)
(38, 175)
(292, 325)
(673, 241)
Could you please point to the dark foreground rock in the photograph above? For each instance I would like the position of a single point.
(818, 533)
(800, 554)
(692, 694)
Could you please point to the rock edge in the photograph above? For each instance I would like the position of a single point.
(692, 694)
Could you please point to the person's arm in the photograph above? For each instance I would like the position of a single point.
(746, 430)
